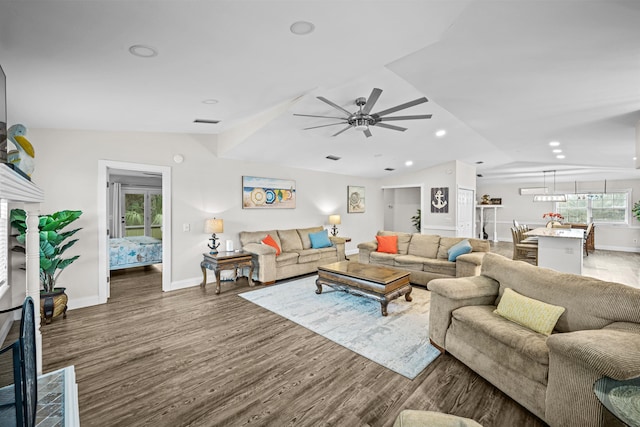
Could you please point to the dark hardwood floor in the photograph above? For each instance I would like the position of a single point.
(191, 357)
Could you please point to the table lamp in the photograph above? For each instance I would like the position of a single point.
(334, 220)
(213, 226)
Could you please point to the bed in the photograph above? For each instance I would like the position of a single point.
(134, 251)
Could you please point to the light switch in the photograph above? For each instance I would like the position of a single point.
(186, 227)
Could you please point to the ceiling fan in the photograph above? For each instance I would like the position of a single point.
(363, 118)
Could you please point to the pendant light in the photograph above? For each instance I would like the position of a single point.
(553, 197)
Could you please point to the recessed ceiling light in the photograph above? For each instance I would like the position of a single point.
(554, 143)
(210, 101)
(143, 51)
(557, 150)
(441, 133)
(634, 158)
(408, 163)
(560, 156)
(302, 28)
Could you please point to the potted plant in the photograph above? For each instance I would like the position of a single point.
(53, 244)
(416, 220)
(636, 210)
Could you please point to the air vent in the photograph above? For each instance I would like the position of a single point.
(211, 122)
(331, 157)
(479, 175)
(389, 169)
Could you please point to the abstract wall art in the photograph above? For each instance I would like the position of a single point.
(355, 199)
(269, 193)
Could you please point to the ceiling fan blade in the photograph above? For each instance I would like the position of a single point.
(324, 126)
(386, 126)
(402, 106)
(423, 116)
(336, 106)
(371, 101)
(367, 133)
(322, 117)
(347, 128)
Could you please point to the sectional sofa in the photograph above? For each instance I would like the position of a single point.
(297, 255)
(425, 256)
(597, 334)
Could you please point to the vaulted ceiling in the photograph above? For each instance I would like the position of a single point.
(502, 78)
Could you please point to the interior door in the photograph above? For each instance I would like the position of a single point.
(465, 212)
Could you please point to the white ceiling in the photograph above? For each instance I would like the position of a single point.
(503, 78)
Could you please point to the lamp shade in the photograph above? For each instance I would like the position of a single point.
(214, 225)
(334, 219)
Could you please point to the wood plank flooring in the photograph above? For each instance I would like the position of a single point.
(191, 357)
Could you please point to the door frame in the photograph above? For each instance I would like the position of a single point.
(103, 218)
(394, 187)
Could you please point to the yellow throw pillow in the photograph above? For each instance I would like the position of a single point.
(528, 312)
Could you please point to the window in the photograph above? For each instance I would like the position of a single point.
(608, 208)
(143, 212)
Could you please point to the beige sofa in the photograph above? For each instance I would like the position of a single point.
(425, 256)
(597, 335)
(297, 256)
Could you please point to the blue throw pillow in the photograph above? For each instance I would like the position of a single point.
(460, 248)
(320, 240)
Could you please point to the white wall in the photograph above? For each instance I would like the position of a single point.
(203, 186)
(525, 211)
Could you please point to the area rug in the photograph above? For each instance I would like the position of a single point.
(399, 341)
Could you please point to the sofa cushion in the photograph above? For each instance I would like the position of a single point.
(513, 346)
(403, 240)
(271, 242)
(445, 244)
(460, 248)
(528, 312)
(387, 244)
(257, 236)
(328, 253)
(286, 258)
(382, 258)
(320, 239)
(424, 245)
(304, 235)
(290, 240)
(440, 266)
(308, 255)
(409, 262)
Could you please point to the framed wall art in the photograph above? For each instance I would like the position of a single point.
(268, 193)
(355, 199)
(440, 200)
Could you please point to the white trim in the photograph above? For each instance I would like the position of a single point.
(186, 283)
(103, 194)
(6, 326)
(83, 302)
(440, 227)
(391, 187)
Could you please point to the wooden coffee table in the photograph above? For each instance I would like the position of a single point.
(370, 281)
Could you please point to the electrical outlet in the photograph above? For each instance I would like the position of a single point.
(186, 227)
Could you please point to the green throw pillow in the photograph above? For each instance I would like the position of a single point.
(528, 312)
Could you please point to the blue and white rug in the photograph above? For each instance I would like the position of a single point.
(399, 341)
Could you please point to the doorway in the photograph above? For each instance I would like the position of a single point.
(465, 212)
(400, 205)
(142, 219)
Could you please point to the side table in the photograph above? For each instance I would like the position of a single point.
(225, 261)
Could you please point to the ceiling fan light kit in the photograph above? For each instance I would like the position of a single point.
(363, 119)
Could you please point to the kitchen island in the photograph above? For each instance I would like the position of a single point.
(559, 248)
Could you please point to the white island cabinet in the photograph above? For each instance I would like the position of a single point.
(559, 248)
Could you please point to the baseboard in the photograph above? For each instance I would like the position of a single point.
(74, 303)
(618, 248)
(186, 283)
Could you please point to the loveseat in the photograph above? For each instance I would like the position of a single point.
(597, 335)
(297, 257)
(425, 256)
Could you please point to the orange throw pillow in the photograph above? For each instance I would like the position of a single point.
(269, 241)
(387, 244)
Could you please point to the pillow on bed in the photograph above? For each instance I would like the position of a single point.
(269, 241)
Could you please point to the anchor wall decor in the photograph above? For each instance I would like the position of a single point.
(440, 200)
